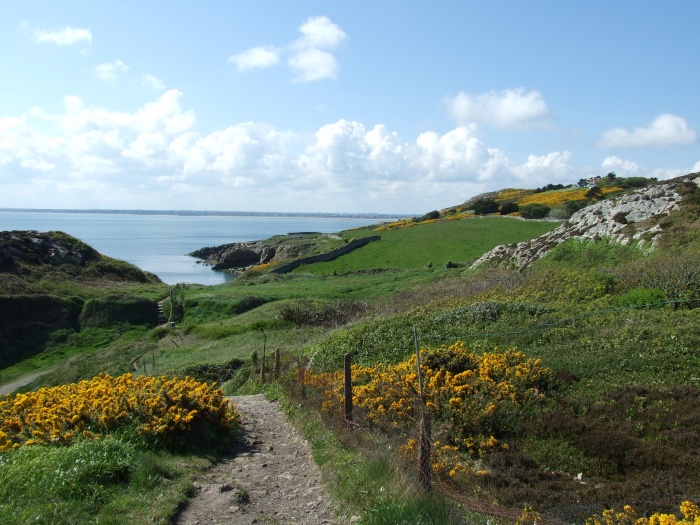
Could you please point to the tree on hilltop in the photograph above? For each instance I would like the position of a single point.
(485, 206)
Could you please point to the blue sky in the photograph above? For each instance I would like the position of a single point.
(315, 106)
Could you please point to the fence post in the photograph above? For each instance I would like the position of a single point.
(154, 362)
(426, 439)
(348, 389)
(277, 363)
(262, 369)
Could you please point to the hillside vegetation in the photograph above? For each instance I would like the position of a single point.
(569, 385)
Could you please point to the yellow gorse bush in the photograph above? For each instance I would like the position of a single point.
(558, 197)
(158, 408)
(464, 391)
(689, 510)
(512, 194)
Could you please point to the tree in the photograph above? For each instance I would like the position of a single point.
(534, 211)
(594, 193)
(485, 206)
(509, 207)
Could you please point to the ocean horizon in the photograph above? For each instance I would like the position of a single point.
(158, 242)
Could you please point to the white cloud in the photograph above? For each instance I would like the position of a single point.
(320, 33)
(256, 57)
(314, 64)
(544, 168)
(65, 36)
(110, 71)
(310, 56)
(510, 108)
(155, 157)
(696, 168)
(152, 82)
(454, 154)
(622, 168)
(664, 130)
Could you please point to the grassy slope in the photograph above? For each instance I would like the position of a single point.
(414, 247)
(613, 413)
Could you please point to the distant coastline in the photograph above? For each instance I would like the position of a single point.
(214, 213)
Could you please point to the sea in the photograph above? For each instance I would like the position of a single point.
(159, 242)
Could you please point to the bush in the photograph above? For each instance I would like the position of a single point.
(485, 206)
(118, 310)
(509, 207)
(633, 182)
(641, 297)
(534, 211)
(306, 313)
(214, 372)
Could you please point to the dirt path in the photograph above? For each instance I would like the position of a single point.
(270, 478)
(8, 388)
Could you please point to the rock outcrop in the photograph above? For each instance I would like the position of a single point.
(240, 255)
(632, 217)
(33, 248)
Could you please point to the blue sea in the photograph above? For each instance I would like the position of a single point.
(160, 243)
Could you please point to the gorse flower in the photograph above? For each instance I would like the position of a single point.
(689, 510)
(464, 391)
(158, 408)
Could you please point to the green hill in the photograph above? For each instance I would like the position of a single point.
(582, 364)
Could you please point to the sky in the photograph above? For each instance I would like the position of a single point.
(387, 106)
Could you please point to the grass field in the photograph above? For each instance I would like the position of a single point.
(458, 241)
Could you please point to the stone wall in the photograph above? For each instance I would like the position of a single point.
(325, 257)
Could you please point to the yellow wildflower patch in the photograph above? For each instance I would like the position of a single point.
(628, 516)
(465, 399)
(158, 408)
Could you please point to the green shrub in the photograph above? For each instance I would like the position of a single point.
(306, 313)
(509, 207)
(485, 206)
(116, 269)
(534, 211)
(641, 297)
(214, 372)
(113, 310)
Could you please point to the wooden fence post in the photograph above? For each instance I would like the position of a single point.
(277, 363)
(348, 389)
(262, 369)
(426, 439)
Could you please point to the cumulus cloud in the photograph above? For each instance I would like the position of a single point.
(665, 130)
(624, 168)
(110, 71)
(65, 36)
(309, 56)
(320, 32)
(545, 168)
(506, 109)
(312, 58)
(155, 155)
(314, 64)
(256, 57)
